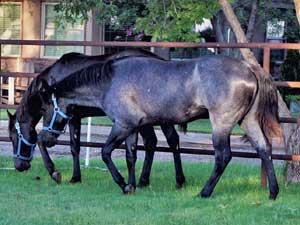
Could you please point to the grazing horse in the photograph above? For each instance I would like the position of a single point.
(138, 91)
(36, 103)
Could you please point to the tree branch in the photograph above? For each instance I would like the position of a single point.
(252, 20)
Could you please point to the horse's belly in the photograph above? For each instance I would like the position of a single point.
(172, 111)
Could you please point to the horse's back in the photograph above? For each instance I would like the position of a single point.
(151, 88)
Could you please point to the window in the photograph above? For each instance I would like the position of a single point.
(10, 27)
(67, 32)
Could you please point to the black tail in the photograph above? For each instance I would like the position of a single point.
(267, 108)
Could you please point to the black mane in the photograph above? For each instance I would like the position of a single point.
(91, 75)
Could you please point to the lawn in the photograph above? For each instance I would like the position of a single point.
(238, 198)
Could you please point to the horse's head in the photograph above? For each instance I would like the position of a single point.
(54, 121)
(23, 138)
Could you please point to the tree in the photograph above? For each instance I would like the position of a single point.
(116, 14)
(167, 20)
(174, 20)
(253, 17)
(297, 7)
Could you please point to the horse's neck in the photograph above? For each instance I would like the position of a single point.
(30, 117)
(87, 96)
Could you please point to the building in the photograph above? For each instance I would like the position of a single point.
(34, 20)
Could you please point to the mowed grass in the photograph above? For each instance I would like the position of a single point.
(238, 198)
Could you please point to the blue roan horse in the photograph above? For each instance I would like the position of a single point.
(138, 91)
(36, 103)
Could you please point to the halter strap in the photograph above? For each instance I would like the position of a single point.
(56, 112)
(25, 141)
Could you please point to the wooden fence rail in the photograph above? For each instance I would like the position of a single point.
(267, 47)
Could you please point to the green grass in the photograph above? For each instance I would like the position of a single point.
(238, 198)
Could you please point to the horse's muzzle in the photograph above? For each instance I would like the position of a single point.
(21, 165)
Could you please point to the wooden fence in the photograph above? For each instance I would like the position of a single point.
(267, 47)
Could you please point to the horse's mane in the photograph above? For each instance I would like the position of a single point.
(72, 56)
(34, 87)
(99, 73)
(91, 75)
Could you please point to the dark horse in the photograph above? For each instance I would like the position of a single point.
(36, 103)
(138, 91)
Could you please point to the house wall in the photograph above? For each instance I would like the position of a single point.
(32, 29)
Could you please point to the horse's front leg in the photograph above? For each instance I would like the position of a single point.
(117, 135)
(131, 145)
(54, 174)
(173, 141)
(74, 128)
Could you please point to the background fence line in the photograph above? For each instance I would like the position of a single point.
(267, 47)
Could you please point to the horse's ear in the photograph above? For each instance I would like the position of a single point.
(10, 116)
(43, 86)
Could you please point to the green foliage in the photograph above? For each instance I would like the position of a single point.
(167, 20)
(174, 20)
(116, 14)
(290, 70)
(292, 98)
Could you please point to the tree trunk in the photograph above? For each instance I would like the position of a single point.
(252, 20)
(290, 136)
(217, 25)
(297, 7)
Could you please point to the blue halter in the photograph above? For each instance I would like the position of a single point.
(56, 112)
(26, 142)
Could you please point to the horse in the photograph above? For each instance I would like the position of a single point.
(136, 91)
(35, 104)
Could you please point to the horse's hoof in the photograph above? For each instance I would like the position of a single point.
(179, 185)
(273, 196)
(143, 184)
(75, 180)
(56, 176)
(180, 181)
(129, 189)
(204, 194)
(274, 190)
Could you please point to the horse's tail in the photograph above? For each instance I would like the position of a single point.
(182, 127)
(267, 105)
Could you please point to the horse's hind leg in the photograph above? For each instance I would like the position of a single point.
(150, 142)
(173, 141)
(74, 128)
(258, 140)
(131, 144)
(221, 143)
(117, 135)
